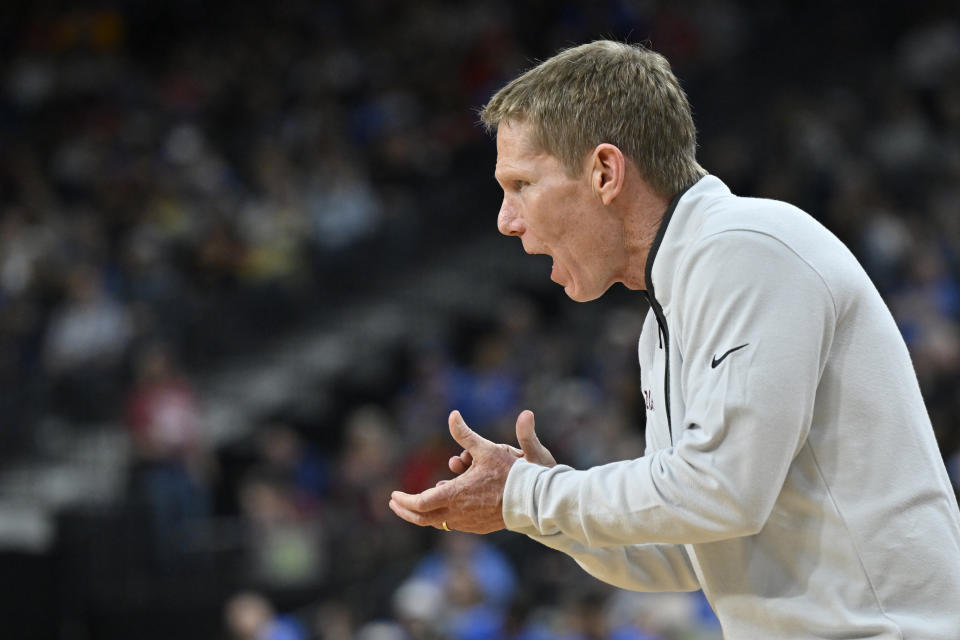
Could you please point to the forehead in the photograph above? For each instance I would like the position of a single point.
(515, 146)
(515, 135)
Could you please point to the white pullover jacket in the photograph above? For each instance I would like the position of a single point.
(791, 470)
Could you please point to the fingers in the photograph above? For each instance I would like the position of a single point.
(429, 519)
(464, 435)
(472, 500)
(526, 432)
(533, 450)
(459, 464)
(432, 499)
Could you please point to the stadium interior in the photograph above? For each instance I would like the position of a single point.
(249, 262)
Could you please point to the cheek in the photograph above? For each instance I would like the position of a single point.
(552, 216)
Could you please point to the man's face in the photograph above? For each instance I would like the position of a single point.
(556, 215)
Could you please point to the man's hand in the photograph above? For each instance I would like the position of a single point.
(473, 501)
(531, 449)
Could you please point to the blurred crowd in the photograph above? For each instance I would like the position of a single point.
(205, 175)
(182, 183)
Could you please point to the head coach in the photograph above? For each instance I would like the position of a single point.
(791, 471)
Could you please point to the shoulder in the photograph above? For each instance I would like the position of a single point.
(718, 239)
(774, 218)
(755, 264)
(762, 239)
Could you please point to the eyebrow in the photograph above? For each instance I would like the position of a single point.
(507, 174)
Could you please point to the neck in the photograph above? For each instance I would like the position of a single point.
(640, 228)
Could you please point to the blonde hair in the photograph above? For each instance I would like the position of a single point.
(622, 94)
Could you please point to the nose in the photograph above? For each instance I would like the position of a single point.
(508, 222)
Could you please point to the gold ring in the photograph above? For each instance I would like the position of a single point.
(444, 525)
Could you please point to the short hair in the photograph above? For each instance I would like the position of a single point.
(622, 94)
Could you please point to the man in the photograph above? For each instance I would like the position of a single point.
(791, 470)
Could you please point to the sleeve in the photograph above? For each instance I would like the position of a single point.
(638, 567)
(745, 416)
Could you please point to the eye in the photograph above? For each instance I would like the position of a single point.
(519, 184)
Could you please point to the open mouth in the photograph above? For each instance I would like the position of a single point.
(554, 268)
(555, 272)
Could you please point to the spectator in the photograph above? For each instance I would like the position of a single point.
(172, 470)
(85, 346)
(285, 546)
(250, 616)
(285, 455)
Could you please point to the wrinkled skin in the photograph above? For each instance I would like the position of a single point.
(473, 500)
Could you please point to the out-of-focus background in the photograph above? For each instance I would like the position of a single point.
(249, 262)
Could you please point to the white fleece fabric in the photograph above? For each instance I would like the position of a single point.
(797, 480)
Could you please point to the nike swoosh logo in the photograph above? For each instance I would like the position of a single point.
(716, 361)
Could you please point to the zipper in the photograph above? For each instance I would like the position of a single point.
(664, 331)
(662, 325)
(663, 337)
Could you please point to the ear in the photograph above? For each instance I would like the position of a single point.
(608, 171)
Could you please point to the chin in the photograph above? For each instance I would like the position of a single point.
(579, 295)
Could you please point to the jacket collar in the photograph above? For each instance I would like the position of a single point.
(678, 224)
